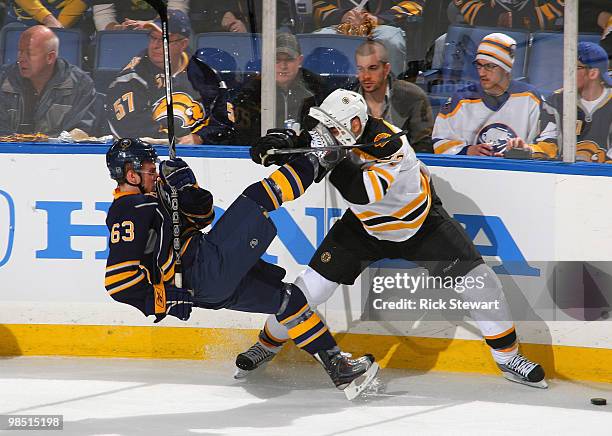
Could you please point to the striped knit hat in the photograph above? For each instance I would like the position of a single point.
(497, 48)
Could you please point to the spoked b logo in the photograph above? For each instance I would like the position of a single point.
(7, 226)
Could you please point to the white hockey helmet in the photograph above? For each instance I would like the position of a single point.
(337, 111)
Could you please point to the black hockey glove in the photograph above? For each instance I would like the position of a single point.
(179, 303)
(176, 173)
(277, 139)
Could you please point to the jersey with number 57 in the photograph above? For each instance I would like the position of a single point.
(136, 101)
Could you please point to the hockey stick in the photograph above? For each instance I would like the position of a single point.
(274, 151)
(161, 7)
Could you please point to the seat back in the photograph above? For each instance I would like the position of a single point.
(70, 44)
(345, 45)
(244, 48)
(545, 66)
(114, 50)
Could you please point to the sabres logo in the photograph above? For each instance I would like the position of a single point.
(184, 107)
(380, 137)
(588, 151)
(125, 143)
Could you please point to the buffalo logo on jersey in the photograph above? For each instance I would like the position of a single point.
(184, 107)
(496, 134)
(125, 143)
(589, 151)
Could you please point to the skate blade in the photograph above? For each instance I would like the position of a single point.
(244, 373)
(516, 379)
(358, 385)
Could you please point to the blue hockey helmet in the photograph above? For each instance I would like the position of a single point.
(132, 151)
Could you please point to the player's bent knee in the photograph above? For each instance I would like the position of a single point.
(316, 288)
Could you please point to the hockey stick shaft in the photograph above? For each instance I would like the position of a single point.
(276, 151)
(161, 7)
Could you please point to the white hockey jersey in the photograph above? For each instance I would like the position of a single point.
(471, 117)
(386, 186)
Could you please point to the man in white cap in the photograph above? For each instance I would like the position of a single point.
(481, 118)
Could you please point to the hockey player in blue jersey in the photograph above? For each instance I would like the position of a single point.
(222, 269)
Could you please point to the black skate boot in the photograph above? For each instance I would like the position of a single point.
(255, 357)
(349, 375)
(519, 369)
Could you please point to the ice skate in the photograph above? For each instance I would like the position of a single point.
(519, 369)
(352, 376)
(255, 357)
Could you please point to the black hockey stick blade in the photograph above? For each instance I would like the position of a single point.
(303, 150)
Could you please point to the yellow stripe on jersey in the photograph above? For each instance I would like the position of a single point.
(459, 104)
(447, 146)
(295, 315)
(547, 12)
(111, 280)
(168, 262)
(284, 185)
(385, 175)
(375, 186)
(304, 326)
(125, 264)
(129, 284)
(298, 181)
(270, 194)
(402, 213)
(526, 94)
(311, 338)
(319, 10)
(406, 210)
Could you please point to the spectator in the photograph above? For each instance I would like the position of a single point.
(480, 119)
(379, 19)
(523, 14)
(230, 15)
(42, 93)
(48, 12)
(297, 89)
(596, 16)
(399, 102)
(136, 99)
(126, 15)
(594, 126)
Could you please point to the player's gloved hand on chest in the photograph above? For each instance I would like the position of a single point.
(176, 173)
(274, 139)
(179, 303)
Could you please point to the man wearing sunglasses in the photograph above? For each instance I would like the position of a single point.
(480, 119)
(136, 99)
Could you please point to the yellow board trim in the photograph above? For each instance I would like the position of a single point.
(405, 352)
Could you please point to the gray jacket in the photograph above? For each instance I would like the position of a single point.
(67, 101)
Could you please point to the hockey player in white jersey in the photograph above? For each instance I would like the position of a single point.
(393, 212)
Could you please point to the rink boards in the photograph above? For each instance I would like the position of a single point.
(545, 227)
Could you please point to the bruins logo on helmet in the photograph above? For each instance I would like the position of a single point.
(588, 151)
(380, 137)
(184, 107)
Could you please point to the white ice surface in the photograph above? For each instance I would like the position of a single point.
(175, 397)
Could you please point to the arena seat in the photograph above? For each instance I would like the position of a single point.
(114, 50)
(70, 44)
